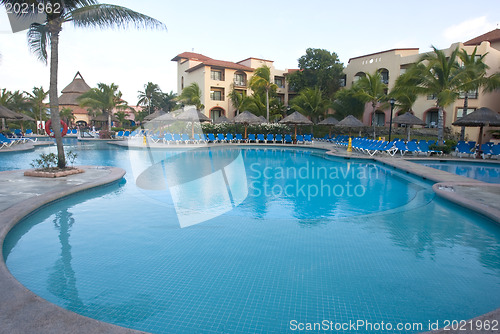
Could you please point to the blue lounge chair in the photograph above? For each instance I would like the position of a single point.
(168, 139)
(400, 145)
(126, 133)
(29, 132)
(119, 134)
(269, 138)
(230, 138)
(177, 138)
(486, 151)
(251, 138)
(197, 139)
(308, 139)
(278, 138)
(464, 148)
(185, 138)
(221, 138)
(211, 138)
(288, 139)
(495, 150)
(239, 138)
(300, 139)
(261, 138)
(424, 147)
(412, 147)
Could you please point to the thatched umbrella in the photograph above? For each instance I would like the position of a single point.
(154, 115)
(330, 121)
(165, 118)
(262, 119)
(480, 117)
(350, 122)
(408, 119)
(222, 119)
(246, 118)
(190, 114)
(8, 114)
(296, 119)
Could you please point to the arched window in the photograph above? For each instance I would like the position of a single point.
(379, 118)
(384, 73)
(216, 113)
(431, 118)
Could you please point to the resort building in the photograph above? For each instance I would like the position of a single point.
(216, 79)
(392, 63)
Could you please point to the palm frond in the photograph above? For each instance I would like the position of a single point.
(38, 39)
(110, 16)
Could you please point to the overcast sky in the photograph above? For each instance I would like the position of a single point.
(277, 30)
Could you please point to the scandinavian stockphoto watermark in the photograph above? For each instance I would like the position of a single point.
(310, 181)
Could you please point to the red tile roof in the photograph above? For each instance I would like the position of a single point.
(207, 61)
(491, 36)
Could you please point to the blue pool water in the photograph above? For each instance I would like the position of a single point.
(308, 238)
(486, 172)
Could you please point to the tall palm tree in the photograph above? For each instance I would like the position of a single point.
(371, 89)
(82, 13)
(439, 75)
(36, 99)
(122, 118)
(239, 100)
(150, 97)
(347, 103)
(475, 77)
(261, 82)
(310, 102)
(104, 98)
(168, 101)
(405, 96)
(191, 95)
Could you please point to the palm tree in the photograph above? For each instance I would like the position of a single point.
(439, 75)
(122, 117)
(67, 115)
(347, 103)
(475, 77)
(261, 82)
(191, 95)
(36, 99)
(82, 13)
(150, 97)
(168, 101)
(104, 98)
(310, 102)
(239, 100)
(405, 96)
(370, 88)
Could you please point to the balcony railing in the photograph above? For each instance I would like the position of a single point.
(240, 83)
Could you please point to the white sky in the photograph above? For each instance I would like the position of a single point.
(279, 30)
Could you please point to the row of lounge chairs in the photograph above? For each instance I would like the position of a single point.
(175, 138)
(372, 147)
(8, 142)
(470, 149)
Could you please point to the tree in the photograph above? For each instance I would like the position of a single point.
(439, 75)
(104, 98)
(168, 101)
(256, 104)
(36, 99)
(191, 95)
(151, 97)
(260, 83)
(318, 68)
(405, 96)
(347, 103)
(122, 117)
(82, 13)
(310, 102)
(67, 115)
(239, 100)
(371, 89)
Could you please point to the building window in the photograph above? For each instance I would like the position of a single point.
(385, 76)
(280, 82)
(472, 94)
(342, 81)
(216, 74)
(379, 118)
(460, 112)
(182, 83)
(281, 98)
(217, 94)
(239, 79)
(431, 119)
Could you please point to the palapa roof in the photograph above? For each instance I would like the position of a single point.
(222, 119)
(9, 114)
(329, 121)
(247, 117)
(480, 117)
(408, 118)
(190, 114)
(492, 36)
(350, 122)
(157, 113)
(72, 91)
(296, 118)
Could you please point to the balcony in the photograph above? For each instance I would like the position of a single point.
(239, 83)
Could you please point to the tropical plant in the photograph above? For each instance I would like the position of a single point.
(261, 82)
(256, 104)
(36, 98)
(82, 13)
(67, 115)
(371, 89)
(347, 103)
(440, 75)
(151, 97)
(238, 100)
(405, 96)
(191, 95)
(105, 99)
(310, 102)
(168, 101)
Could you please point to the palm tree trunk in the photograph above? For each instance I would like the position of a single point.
(55, 29)
(440, 126)
(109, 121)
(373, 120)
(466, 105)
(267, 104)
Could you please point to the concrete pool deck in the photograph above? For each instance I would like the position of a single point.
(21, 311)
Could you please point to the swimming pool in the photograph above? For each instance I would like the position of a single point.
(482, 171)
(262, 264)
